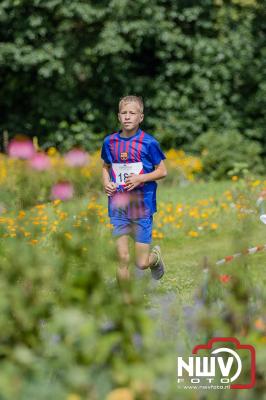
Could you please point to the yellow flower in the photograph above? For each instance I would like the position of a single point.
(34, 241)
(56, 202)
(40, 206)
(228, 195)
(183, 164)
(154, 233)
(203, 202)
(21, 214)
(234, 178)
(224, 205)
(194, 213)
(85, 172)
(52, 151)
(73, 396)
(204, 215)
(214, 226)
(68, 235)
(120, 394)
(62, 215)
(256, 183)
(193, 234)
(170, 218)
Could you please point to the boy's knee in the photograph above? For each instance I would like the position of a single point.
(141, 265)
(124, 257)
(123, 274)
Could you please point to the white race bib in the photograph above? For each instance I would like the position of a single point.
(122, 171)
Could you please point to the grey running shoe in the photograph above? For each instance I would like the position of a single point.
(157, 270)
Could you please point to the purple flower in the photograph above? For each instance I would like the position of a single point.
(76, 158)
(62, 190)
(21, 147)
(40, 162)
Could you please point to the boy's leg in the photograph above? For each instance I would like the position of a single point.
(144, 259)
(143, 237)
(123, 259)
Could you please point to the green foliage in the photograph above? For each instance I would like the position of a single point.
(58, 324)
(222, 152)
(198, 65)
(28, 187)
(66, 330)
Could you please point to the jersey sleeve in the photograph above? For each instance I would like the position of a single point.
(156, 153)
(105, 153)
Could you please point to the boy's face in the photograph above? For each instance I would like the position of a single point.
(130, 116)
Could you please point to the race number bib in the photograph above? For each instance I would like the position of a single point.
(122, 171)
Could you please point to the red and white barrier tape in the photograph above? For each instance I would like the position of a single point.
(252, 250)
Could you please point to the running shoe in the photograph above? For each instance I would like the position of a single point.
(157, 270)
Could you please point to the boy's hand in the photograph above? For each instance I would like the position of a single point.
(110, 188)
(133, 181)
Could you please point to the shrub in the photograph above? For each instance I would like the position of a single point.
(181, 167)
(23, 186)
(221, 151)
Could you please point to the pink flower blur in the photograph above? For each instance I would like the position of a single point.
(62, 190)
(21, 147)
(121, 200)
(40, 162)
(76, 158)
(224, 278)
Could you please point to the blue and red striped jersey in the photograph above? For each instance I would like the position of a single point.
(139, 154)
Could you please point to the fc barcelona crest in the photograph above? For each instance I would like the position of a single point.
(123, 156)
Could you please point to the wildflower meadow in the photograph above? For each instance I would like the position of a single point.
(67, 332)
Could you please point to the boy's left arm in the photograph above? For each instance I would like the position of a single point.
(133, 180)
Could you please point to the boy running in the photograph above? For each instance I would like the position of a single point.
(133, 161)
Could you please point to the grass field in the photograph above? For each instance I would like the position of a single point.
(184, 254)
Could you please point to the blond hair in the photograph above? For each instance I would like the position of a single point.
(129, 99)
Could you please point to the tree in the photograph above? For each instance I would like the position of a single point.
(64, 65)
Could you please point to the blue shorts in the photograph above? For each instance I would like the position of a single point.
(140, 229)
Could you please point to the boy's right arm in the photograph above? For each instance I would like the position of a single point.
(108, 185)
